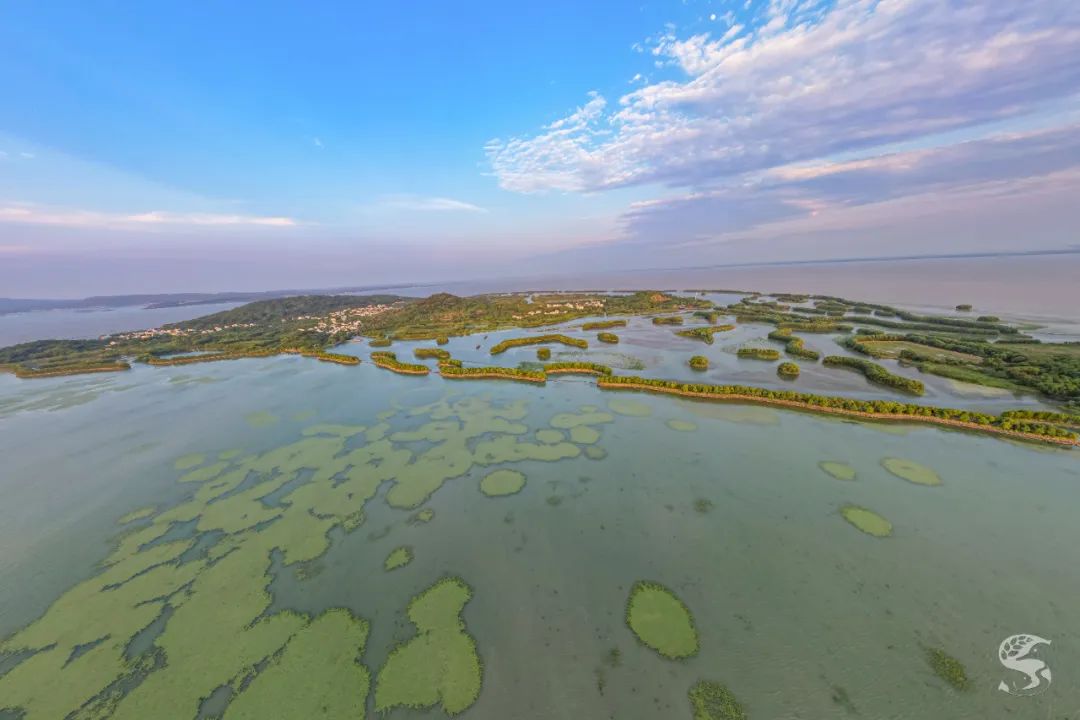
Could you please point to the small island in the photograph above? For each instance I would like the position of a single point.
(787, 370)
(699, 362)
(757, 353)
(606, 337)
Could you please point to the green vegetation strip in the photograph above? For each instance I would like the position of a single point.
(584, 368)
(427, 352)
(388, 361)
(661, 621)
(755, 353)
(603, 325)
(705, 334)
(668, 320)
(870, 409)
(609, 338)
(876, 374)
(537, 340)
(493, 372)
(794, 346)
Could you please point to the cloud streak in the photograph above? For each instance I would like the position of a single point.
(804, 82)
(38, 215)
(417, 203)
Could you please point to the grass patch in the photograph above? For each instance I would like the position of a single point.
(439, 665)
(839, 470)
(398, 557)
(947, 668)
(911, 471)
(713, 701)
(661, 621)
(502, 482)
(867, 521)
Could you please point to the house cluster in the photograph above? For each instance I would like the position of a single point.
(349, 320)
(562, 308)
(172, 332)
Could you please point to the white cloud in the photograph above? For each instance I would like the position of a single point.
(38, 215)
(804, 82)
(420, 203)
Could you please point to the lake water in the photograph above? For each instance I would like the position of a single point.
(798, 613)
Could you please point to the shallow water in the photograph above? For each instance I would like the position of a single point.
(790, 601)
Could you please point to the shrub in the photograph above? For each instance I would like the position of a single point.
(788, 370)
(699, 362)
(606, 337)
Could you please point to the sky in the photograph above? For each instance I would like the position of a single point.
(187, 146)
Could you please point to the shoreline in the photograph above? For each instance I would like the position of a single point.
(886, 417)
(492, 376)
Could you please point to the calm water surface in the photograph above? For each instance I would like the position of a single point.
(793, 605)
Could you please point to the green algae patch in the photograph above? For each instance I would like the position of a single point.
(682, 425)
(661, 621)
(548, 436)
(911, 471)
(712, 701)
(186, 462)
(568, 421)
(502, 482)
(439, 665)
(867, 521)
(422, 516)
(230, 454)
(398, 557)
(839, 470)
(140, 514)
(947, 668)
(584, 435)
(595, 453)
(260, 419)
(625, 406)
(316, 675)
(344, 431)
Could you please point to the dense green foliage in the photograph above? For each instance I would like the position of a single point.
(810, 401)
(699, 362)
(946, 666)
(427, 352)
(787, 370)
(389, 361)
(587, 368)
(793, 345)
(668, 320)
(536, 340)
(543, 353)
(709, 316)
(380, 342)
(265, 313)
(756, 353)
(713, 701)
(606, 337)
(876, 373)
(492, 373)
(705, 334)
(603, 324)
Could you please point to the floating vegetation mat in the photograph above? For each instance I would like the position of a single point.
(195, 578)
(626, 406)
(712, 701)
(682, 425)
(661, 621)
(947, 668)
(439, 665)
(867, 521)
(502, 482)
(398, 557)
(911, 471)
(260, 419)
(839, 470)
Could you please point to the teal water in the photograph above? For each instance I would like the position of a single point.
(792, 604)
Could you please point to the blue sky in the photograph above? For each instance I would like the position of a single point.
(197, 146)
